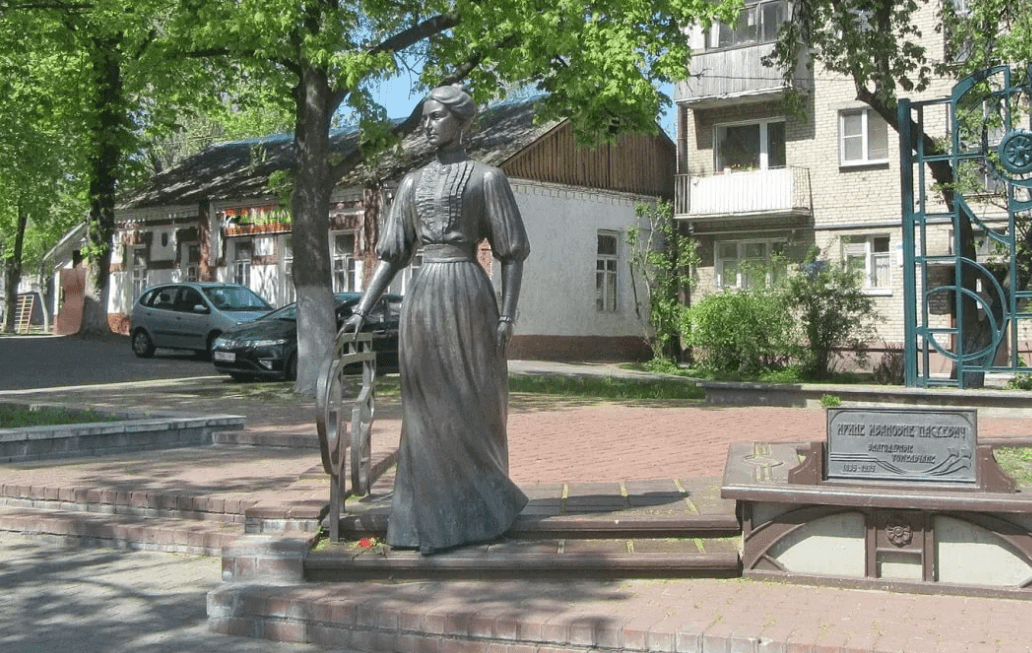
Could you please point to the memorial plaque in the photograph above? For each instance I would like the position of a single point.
(895, 444)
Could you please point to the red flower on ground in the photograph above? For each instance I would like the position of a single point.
(367, 542)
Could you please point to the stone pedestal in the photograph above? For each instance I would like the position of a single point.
(798, 525)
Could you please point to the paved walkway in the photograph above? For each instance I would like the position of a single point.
(54, 599)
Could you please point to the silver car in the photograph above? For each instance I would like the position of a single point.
(190, 315)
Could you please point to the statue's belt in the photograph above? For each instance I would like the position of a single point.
(447, 253)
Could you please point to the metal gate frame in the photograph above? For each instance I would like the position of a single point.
(1010, 162)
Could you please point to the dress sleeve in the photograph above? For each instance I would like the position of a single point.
(506, 232)
(397, 240)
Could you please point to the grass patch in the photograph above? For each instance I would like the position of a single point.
(791, 374)
(13, 417)
(605, 387)
(656, 366)
(1016, 461)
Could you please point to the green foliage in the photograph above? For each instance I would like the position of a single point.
(1015, 462)
(662, 259)
(745, 332)
(830, 401)
(1022, 381)
(891, 368)
(833, 312)
(790, 374)
(15, 416)
(606, 387)
(987, 34)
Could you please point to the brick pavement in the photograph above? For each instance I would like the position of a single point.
(577, 441)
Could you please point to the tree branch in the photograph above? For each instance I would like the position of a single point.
(400, 41)
(410, 123)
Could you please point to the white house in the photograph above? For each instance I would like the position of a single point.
(215, 217)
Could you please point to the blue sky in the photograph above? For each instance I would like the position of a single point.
(394, 95)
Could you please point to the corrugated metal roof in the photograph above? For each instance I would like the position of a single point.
(240, 169)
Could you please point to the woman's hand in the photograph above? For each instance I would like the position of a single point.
(503, 334)
(353, 324)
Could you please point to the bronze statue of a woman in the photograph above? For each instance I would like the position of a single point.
(452, 485)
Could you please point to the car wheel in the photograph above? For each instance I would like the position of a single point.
(143, 346)
(237, 376)
(290, 371)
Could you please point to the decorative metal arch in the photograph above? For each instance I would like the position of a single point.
(981, 136)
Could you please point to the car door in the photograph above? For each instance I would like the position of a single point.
(191, 319)
(159, 317)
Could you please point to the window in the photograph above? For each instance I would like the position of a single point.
(863, 138)
(751, 146)
(187, 299)
(605, 271)
(287, 259)
(757, 23)
(242, 262)
(190, 255)
(139, 259)
(346, 270)
(869, 255)
(749, 263)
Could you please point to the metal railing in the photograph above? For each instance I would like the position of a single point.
(755, 192)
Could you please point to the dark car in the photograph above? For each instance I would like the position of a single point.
(190, 315)
(267, 347)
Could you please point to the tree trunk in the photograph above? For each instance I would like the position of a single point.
(14, 272)
(316, 325)
(105, 158)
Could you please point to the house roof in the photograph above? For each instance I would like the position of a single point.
(239, 169)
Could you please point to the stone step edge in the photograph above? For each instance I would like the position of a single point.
(580, 527)
(123, 531)
(332, 621)
(337, 567)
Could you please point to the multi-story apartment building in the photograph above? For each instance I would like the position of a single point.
(757, 185)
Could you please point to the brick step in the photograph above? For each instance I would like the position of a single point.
(492, 617)
(546, 559)
(89, 529)
(108, 501)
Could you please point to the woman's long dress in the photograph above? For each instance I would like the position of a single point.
(452, 485)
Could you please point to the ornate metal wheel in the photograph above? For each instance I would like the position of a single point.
(337, 406)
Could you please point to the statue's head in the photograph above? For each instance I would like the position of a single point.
(447, 114)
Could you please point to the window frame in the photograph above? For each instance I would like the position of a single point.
(607, 286)
(242, 265)
(191, 269)
(286, 261)
(865, 139)
(770, 274)
(711, 37)
(863, 246)
(764, 143)
(138, 275)
(349, 266)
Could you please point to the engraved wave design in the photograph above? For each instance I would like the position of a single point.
(865, 458)
(957, 460)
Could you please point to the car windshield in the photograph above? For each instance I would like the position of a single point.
(236, 298)
(288, 312)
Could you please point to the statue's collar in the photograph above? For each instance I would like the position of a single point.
(458, 155)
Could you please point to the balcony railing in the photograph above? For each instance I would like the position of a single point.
(737, 74)
(782, 191)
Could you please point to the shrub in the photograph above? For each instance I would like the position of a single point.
(831, 401)
(741, 332)
(891, 369)
(833, 313)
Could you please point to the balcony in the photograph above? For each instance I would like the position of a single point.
(736, 75)
(781, 192)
